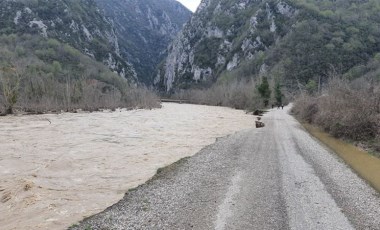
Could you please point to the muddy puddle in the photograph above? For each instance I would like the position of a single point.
(366, 166)
(57, 169)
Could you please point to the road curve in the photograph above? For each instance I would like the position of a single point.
(278, 177)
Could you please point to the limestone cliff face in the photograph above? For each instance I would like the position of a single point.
(79, 23)
(293, 42)
(221, 35)
(219, 38)
(144, 29)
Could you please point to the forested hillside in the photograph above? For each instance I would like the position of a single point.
(63, 55)
(297, 43)
(39, 74)
(78, 23)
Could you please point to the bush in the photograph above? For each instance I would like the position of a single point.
(238, 94)
(141, 98)
(347, 109)
(305, 108)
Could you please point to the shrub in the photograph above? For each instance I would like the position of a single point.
(238, 94)
(347, 109)
(305, 107)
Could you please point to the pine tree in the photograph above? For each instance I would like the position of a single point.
(265, 91)
(278, 94)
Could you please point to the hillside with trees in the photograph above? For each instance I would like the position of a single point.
(39, 74)
(80, 24)
(65, 54)
(292, 42)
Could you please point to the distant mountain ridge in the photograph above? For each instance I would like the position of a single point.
(144, 29)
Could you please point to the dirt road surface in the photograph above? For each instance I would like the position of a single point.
(278, 177)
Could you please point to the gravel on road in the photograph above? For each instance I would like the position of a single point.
(277, 177)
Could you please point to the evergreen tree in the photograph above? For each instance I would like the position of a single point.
(278, 94)
(265, 91)
(311, 87)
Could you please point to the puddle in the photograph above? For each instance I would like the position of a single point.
(366, 165)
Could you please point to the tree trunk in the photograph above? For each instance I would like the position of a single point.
(9, 110)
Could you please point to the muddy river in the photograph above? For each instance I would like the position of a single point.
(57, 169)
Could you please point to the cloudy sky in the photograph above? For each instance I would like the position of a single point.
(191, 4)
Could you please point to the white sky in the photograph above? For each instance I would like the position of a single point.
(191, 4)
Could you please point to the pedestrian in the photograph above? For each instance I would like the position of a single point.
(282, 106)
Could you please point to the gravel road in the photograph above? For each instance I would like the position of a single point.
(278, 177)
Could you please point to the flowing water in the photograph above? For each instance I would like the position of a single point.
(57, 169)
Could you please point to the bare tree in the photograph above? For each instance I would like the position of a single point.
(10, 84)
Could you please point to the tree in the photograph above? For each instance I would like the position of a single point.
(10, 84)
(278, 94)
(311, 86)
(265, 91)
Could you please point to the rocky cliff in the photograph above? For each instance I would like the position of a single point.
(144, 29)
(292, 41)
(79, 23)
(221, 35)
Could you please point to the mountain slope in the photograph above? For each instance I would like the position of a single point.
(144, 29)
(39, 75)
(292, 41)
(77, 23)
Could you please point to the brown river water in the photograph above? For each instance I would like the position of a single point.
(57, 169)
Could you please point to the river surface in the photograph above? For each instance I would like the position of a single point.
(57, 169)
